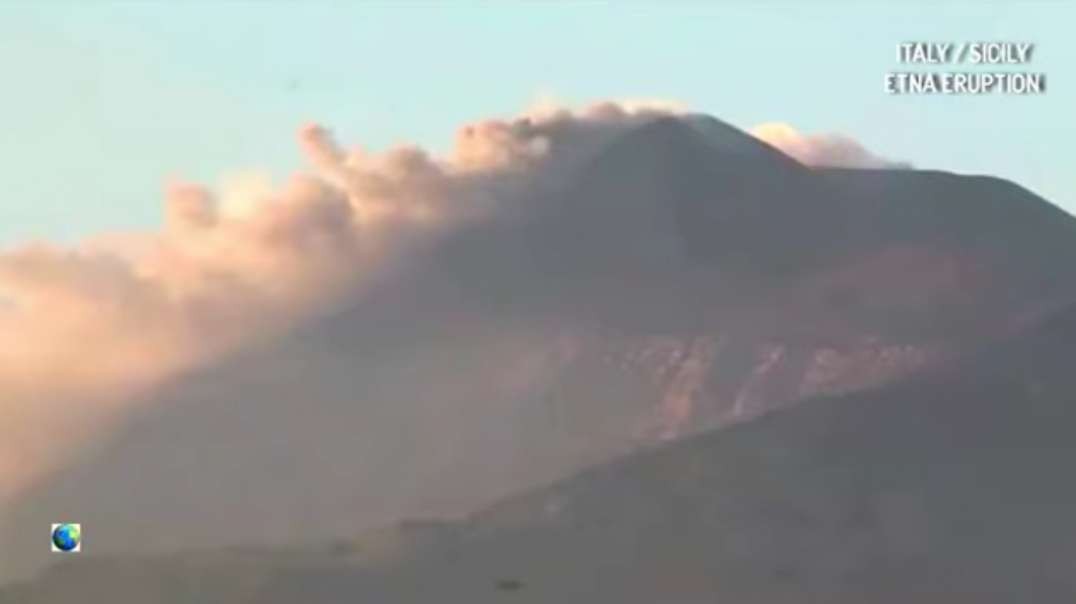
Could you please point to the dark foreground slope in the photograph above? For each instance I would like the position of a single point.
(686, 276)
(946, 488)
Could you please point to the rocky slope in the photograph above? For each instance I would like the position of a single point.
(943, 488)
(947, 487)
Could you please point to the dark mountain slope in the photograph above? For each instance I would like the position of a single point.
(674, 211)
(946, 488)
(1025, 238)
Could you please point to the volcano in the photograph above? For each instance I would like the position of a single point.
(686, 278)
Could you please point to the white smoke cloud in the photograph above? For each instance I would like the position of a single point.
(821, 150)
(86, 328)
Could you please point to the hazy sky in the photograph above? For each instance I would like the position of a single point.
(102, 102)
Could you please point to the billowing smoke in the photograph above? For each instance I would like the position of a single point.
(87, 328)
(831, 150)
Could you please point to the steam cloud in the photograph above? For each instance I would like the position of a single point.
(821, 150)
(88, 327)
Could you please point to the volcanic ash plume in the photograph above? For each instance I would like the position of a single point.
(88, 327)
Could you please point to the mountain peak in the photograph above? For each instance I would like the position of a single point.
(718, 191)
(675, 138)
(727, 139)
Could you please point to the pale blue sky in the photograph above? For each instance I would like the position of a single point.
(101, 102)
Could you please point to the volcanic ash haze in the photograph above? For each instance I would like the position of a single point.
(399, 334)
